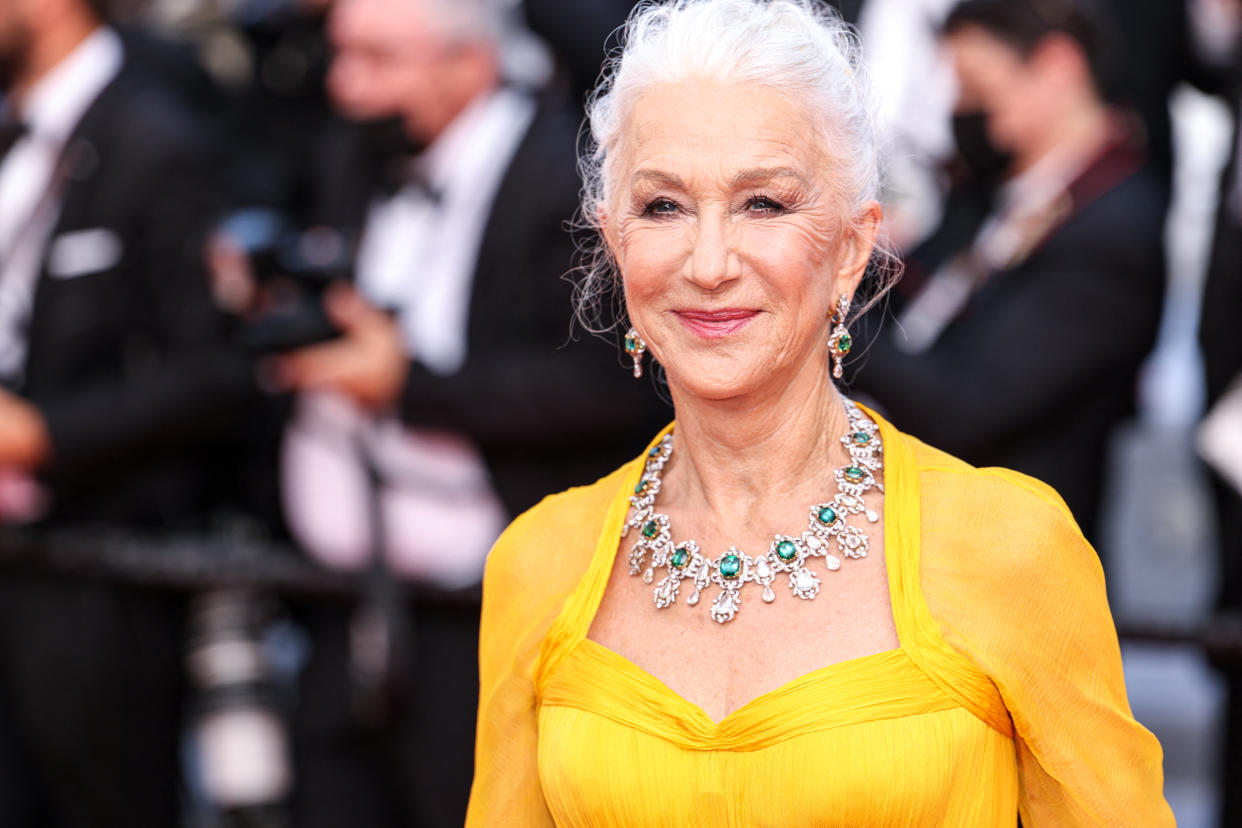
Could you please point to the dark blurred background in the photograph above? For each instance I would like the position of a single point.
(285, 342)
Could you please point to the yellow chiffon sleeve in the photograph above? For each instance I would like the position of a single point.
(1013, 585)
(532, 568)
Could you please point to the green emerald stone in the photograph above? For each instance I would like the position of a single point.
(680, 557)
(827, 516)
(655, 452)
(631, 344)
(786, 549)
(640, 487)
(650, 528)
(854, 473)
(845, 343)
(730, 566)
(862, 438)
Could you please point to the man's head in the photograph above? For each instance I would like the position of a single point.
(35, 35)
(1025, 64)
(422, 61)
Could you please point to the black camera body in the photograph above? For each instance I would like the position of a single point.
(291, 266)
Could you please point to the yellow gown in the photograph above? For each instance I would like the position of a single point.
(1005, 696)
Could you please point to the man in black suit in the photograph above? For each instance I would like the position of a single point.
(463, 236)
(1221, 347)
(113, 380)
(1222, 362)
(1019, 343)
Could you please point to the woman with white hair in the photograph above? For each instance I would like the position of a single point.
(784, 612)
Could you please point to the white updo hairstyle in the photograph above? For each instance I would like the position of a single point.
(801, 48)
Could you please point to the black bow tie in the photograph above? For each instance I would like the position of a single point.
(401, 173)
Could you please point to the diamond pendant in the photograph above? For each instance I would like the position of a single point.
(725, 607)
(666, 592)
(804, 583)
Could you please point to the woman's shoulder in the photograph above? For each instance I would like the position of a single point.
(948, 483)
(547, 548)
(994, 525)
(986, 534)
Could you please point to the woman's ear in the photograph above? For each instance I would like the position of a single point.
(857, 244)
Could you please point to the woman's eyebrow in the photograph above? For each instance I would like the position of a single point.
(658, 177)
(763, 175)
(742, 178)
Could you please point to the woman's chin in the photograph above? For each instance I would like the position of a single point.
(713, 381)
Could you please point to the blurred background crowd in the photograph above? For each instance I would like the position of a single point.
(286, 341)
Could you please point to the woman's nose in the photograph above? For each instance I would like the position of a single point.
(712, 261)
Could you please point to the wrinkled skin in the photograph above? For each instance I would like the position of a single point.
(731, 239)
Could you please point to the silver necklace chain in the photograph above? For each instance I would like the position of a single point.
(829, 534)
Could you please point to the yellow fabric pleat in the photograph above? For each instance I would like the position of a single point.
(885, 685)
(1005, 694)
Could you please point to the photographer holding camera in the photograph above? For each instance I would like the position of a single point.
(450, 398)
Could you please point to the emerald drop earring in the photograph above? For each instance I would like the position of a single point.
(840, 342)
(635, 347)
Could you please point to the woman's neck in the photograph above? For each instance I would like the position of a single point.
(733, 455)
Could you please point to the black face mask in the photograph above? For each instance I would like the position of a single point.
(388, 149)
(385, 139)
(983, 161)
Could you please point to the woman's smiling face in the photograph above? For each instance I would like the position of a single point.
(732, 243)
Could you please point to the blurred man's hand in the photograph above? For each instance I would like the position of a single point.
(368, 362)
(22, 498)
(24, 442)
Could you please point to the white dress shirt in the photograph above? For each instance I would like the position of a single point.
(418, 255)
(440, 511)
(29, 197)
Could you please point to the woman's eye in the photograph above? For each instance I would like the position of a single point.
(660, 207)
(763, 204)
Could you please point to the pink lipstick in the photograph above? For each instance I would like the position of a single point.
(717, 323)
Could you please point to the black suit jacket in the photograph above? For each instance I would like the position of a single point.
(126, 356)
(549, 407)
(1042, 362)
(1221, 344)
(1222, 292)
